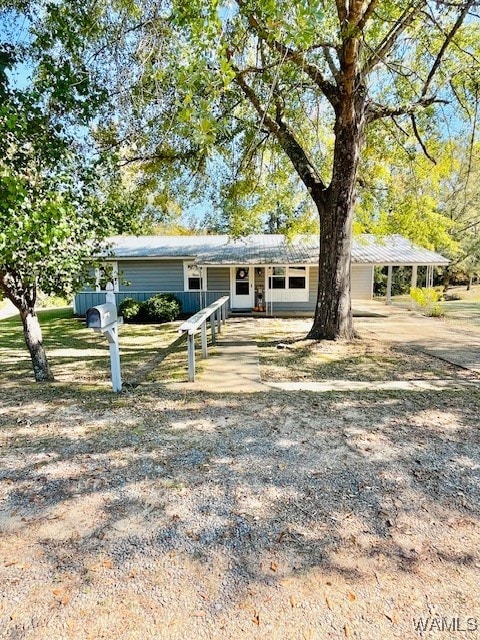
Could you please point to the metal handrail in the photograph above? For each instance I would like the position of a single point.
(217, 313)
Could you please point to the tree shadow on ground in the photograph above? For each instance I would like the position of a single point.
(243, 494)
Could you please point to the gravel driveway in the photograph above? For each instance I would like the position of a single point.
(274, 515)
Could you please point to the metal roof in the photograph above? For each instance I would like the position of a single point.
(270, 249)
(393, 249)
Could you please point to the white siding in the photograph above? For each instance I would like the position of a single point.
(362, 281)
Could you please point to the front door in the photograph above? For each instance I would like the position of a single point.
(242, 288)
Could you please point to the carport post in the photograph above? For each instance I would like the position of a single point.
(413, 282)
(191, 356)
(203, 330)
(388, 299)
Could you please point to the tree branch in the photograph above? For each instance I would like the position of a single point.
(342, 11)
(445, 46)
(287, 140)
(376, 111)
(393, 35)
(372, 5)
(419, 139)
(165, 156)
(330, 61)
(297, 57)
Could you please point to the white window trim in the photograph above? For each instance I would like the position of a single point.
(287, 294)
(203, 275)
(114, 267)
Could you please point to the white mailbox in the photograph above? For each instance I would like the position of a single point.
(101, 316)
(104, 319)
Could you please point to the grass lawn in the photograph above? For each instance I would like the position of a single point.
(79, 355)
(154, 353)
(466, 309)
(365, 359)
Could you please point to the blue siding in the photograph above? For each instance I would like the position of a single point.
(191, 301)
(149, 277)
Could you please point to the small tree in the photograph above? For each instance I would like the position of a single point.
(47, 228)
(57, 203)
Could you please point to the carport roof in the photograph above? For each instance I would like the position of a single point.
(269, 249)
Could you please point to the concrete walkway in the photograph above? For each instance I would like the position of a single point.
(375, 385)
(233, 364)
(450, 340)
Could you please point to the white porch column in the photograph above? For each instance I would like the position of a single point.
(388, 299)
(413, 283)
(429, 282)
(203, 286)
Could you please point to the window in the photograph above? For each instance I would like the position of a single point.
(288, 278)
(277, 279)
(193, 278)
(288, 284)
(242, 281)
(297, 277)
(107, 272)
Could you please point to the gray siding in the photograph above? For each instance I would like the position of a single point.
(218, 278)
(313, 286)
(362, 287)
(151, 275)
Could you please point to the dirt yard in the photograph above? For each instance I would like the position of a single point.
(166, 515)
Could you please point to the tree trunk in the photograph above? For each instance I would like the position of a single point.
(24, 298)
(333, 313)
(33, 339)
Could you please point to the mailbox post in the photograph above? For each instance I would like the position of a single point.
(104, 319)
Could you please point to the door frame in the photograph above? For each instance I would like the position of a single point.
(233, 280)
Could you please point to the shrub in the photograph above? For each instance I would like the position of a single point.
(163, 307)
(129, 309)
(427, 300)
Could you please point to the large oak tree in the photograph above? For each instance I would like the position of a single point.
(314, 81)
(222, 91)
